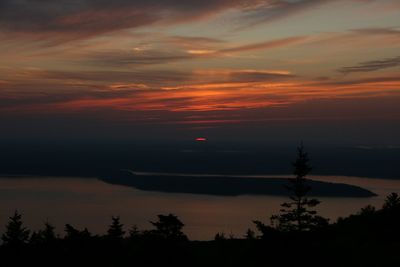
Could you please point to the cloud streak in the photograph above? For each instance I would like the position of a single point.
(172, 54)
(266, 45)
(373, 65)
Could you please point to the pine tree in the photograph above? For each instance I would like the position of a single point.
(392, 202)
(115, 230)
(48, 232)
(73, 233)
(169, 227)
(250, 234)
(134, 233)
(219, 236)
(45, 236)
(298, 214)
(16, 234)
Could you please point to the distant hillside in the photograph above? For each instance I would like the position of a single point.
(93, 159)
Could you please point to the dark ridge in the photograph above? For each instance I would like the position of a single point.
(229, 186)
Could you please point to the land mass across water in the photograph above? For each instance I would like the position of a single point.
(226, 185)
(97, 158)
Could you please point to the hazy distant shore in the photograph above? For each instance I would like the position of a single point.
(91, 159)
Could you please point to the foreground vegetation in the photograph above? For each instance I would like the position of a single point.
(297, 236)
(369, 238)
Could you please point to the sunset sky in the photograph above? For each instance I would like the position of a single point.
(320, 70)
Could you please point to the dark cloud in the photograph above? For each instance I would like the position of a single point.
(73, 19)
(246, 75)
(159, 77)
(274, 10)
(118, 58)
(269, 11)
(360, 81)
(265, 45)
(254, 76)
(372, 65)
(91, 17)
(66, 20)
(377, 31)
(194, 40)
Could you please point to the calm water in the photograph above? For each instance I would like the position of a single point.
(85, 202)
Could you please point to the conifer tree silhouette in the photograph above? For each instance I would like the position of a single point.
(48, 232)
(72, 233)
(169, 227)
(298, 214)
(392, 202)
(16, 234)
(47, 235)
(134, 232)
(250, 234)
(116, 228)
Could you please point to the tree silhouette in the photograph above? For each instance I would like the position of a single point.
(392, 202)
(219, 236)
(298, 214)
(16, 234)
(73, 233)
(169, 227)
(250, 234)
(47, 235)
(48, 232)
(134, 232)
(367, 211)
(116, 228)
(265, 230)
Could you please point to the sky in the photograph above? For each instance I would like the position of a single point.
(248, 70)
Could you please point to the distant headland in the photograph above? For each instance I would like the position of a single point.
(222, 185)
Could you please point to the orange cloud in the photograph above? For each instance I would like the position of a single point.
(232, 96)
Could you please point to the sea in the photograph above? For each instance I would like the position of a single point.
(90, 202)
